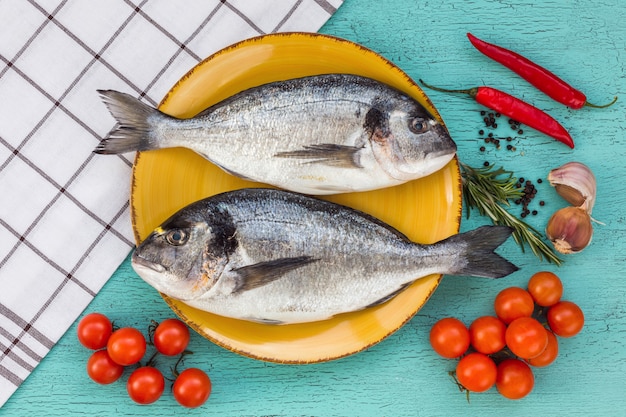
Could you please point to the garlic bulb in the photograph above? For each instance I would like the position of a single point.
(570, 229)
(575, 182)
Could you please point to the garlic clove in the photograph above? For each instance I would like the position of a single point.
(575, 182)
(570, 194)
(570, 230)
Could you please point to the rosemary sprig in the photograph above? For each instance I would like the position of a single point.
(489, 191)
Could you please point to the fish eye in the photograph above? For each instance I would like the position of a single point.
(176, 237)
(417, 125)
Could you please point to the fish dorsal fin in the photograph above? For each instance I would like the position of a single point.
(262, 273)
(344, 156)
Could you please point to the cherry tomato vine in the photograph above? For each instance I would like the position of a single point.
(501, 350)
(116, 349)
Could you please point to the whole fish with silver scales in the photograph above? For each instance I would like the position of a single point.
(322, 134)
(279, 257)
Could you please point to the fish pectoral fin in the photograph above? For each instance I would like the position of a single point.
(343, 156)
(234, 173)
(389, 296)
(262, 273)
(265, 321)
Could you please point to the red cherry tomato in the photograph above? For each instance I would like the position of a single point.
(487, 334)
(94, 330)
(171, 337)
(192, 388)
(145, 385)
(549, 355)
(565, 319)
(546, 288)
(476, 372)
(102, 369)
(512, 303)
(449, 337)
(126, 346)
(526, 337)
(515, 379)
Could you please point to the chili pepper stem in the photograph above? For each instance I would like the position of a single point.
(595, 106)
(471, 91)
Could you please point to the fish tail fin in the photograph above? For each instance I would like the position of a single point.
(133, 131)
(478, 257)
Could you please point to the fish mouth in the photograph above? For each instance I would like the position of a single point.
(138, 261)
(433, 162)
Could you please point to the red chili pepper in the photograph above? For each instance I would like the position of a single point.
(538, 76)
(516, 109)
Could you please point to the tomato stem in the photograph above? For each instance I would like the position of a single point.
(179, 361)
(152, 360)
(114, 326)
(151, 329)
(459, 385)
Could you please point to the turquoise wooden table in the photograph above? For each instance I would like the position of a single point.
(584, 41)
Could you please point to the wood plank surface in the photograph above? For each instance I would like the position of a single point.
(583, 41)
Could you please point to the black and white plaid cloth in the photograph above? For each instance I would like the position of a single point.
(64, 218)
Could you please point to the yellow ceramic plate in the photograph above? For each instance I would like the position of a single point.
(164, 181)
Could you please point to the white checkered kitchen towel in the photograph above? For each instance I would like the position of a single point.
(64, 218)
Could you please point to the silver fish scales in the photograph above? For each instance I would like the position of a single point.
(323, 134)
(274, 256)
